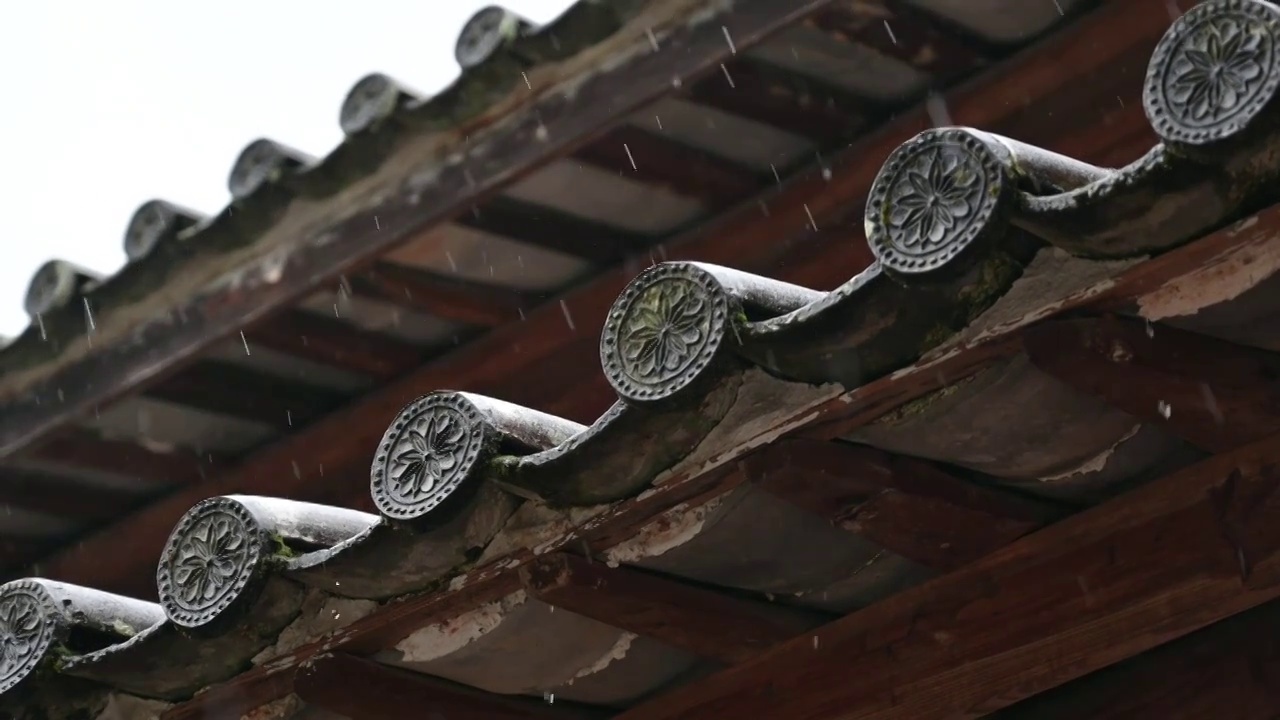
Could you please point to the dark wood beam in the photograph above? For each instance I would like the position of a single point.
(1162, 561)
(1230, 670)
(58, 497)
(234, 391)
(686, 170)
(552, 229)
(703, 622)
(905, 33)
(335, 343)
(802, 106)
(743, 238)
(1214, 394)
(76, 448)
(441, 296)
(905, 505)
(364, 690)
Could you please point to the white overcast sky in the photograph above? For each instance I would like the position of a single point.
(104, 105)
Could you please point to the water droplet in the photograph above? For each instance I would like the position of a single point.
(727, 76)
(1165, 409)
(889, 30)
(629, 156)
(729, 39)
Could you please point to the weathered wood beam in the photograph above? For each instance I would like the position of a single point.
(441, 296)
(38, 492)
(1228, 670)
(641, 155)
(743, 238)
(1214, 394)
(801, 106)
(335, 343)
(905, 505)
(76, 448)
(552, 230)
(703, 622)
(226, 389)
(905, 33)
(361, 689)
(1162, 561)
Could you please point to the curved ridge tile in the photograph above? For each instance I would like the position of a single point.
(45, 625)
(1220, 150)
(487, 31)
(156, 223)
(264, 162)
(55, 285)
(937, 223)
(669, 349)
(431, 480)
(372, 101)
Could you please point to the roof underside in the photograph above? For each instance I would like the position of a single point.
(775, 452)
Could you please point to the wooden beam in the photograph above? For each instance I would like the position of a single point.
(361, 689)
(905, 505)
(227, 389)
(904, 33)
(335, 343)
(801, 106)
(743, 238)
(1229, 670)
(703, 622)
(1214, 394)
(686, 170)
(74, 448)
(59, 497)
(441, 296)
(552, 229)
(1102, 586)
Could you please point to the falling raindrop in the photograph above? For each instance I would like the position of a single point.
(245, 340)
(889, 30)
(1151, 330)
(655, 117)
(376, 225)
(727, 76)
(653, 39)
(564, 308)
(1059, 6)
(1211, 403)
(288, 417)
(812, 223)
(549, 697)
(630, 156)
(777, 178)
(676, 82)
(526, 80)
(729, 40)
(88, 315)
(44, 335)
(453, 264)
(1165, 409)
(297, 472)
(936, 106)
(815, 642)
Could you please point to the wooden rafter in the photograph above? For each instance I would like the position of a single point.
(564, 332)
(441, 296)
(335, 343)
(227, 389)
(1214, 394)
(364, 690)
(701, 621)
(1153, 565)
(907, 506)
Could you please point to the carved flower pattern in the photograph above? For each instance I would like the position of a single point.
(664, 330)
(209, 557)
(431, 448)
(938, 191)
(1216, 70)
(20, 628)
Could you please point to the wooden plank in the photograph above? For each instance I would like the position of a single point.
(441, 296)
(1153, 565)
(641, 155)
(60, 497)
(801, 106)
(227, 389)
(361, 689)
(744, 238)
(905, 505)
(552, 229)
(335, 343)
(1214, 394)
(1229, 670)
(79, 448)
(904, 33)
(703, 622)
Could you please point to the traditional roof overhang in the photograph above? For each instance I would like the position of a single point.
(1036, 436)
